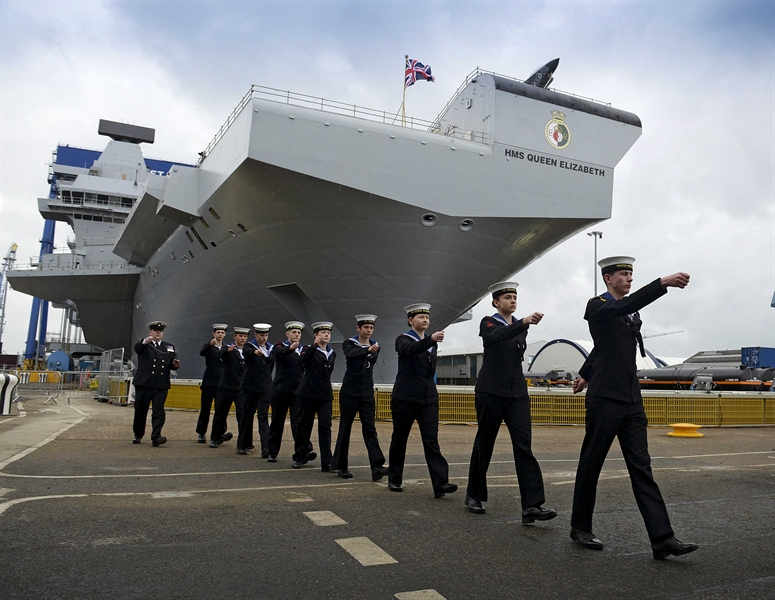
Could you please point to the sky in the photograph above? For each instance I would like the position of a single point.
(696, 193)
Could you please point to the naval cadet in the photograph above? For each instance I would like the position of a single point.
(415, 397)
(356, 397)
(155, 359)
(230, 387)
(256, 383)
(212, 375)
(287, 376)
(501, 396)
(316, 396)
(614, 406)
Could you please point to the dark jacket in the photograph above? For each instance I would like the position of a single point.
(416, 368)
(316, 381)
(610, 368)
(154, 364)
(233, 367)
(358, 378)
(288, 368)
(504, 350)
(258, 369)
(213, 364)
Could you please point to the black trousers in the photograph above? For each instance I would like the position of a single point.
(145, 397)
(282, 403)
(206, 403)
(427, 417)
(349, 407)
(491, 411)
(223, 401)
(607, 419)
(309, 408)
(254, 401)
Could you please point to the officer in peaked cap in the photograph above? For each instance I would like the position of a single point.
(155, 359)
(229, 387)
(287, 376)
(256, 384)
(415, 397)
(501, 396)
(356, 397)
(614, 406)
(209, 386)
(315, 396)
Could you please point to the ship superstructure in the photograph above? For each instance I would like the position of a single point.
(302, 208)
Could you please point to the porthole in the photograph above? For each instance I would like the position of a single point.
(429, 219)
(215, 214)
(231, 233)
(213, 244)
(466, 225)
(242, 227)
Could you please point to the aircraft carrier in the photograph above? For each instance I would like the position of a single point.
(309, 209)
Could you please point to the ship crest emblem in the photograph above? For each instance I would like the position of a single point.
(557, 131)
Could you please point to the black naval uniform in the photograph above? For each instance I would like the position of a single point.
(152, 382)
(415, 397)
(501, 396)
(356, 397)
(209, 386)
(315, 397)
(255, 385)
(615, 409)
(287, 376)
(229, 391)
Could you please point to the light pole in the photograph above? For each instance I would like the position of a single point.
(595, 234)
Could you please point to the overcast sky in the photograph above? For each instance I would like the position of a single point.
(696, 192)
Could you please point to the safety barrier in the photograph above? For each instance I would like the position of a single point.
(552, 406)
(39, 384)
(55, 385)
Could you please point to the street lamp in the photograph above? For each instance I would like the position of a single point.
(595, 234)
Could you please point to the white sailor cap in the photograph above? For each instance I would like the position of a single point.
(326, 325)
(615, 263)
(418, 309)
(261, 327)
(503, 287)
(294, 325)
(365, 319)
(157, 325)
(244, 330)
(223, 326)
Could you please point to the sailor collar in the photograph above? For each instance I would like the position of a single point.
(354, 339)
(607, 296)
(287, 343)
(265, 350)
(328, 352)
(498, 317)
(413, 334)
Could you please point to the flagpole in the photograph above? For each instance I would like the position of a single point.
(403, 102)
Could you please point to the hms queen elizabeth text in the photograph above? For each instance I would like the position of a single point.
(554, 162)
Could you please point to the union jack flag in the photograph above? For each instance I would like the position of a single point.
(416, 70)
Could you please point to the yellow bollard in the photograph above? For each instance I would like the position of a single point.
(685, 430)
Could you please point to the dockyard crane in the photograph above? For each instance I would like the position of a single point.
(8, 263)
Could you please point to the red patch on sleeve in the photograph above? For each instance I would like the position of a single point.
(489, 323)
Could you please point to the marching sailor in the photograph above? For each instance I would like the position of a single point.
(255, 385)
(356, 397)
(415, 397)
(212, 375)
(614, 406)
(155, 358)
(229, 387)
(316, 396)
(501, 396)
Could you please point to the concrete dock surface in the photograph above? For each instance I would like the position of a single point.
(84, 513)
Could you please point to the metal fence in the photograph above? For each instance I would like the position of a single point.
(57, 386)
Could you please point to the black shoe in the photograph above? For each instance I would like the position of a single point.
(271, 458)
(325, 468)
(586, 539)
(213, 444)
(344, 473)
(537, 513)
(310, 457)
(297, 464)
(379, 473)
(444, 489)
(672, 546)
(264, 453)
(226, 437)
(474, 506)
(158, 441)
(395, 487)
(136, 440)
(201, 439)
(241, 451)
(250, 448)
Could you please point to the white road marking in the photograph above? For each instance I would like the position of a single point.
(4, 491)
(298, 497)
(366, 552)
(420, 595)
(32, 449)
(324, 518)
(171, 495)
